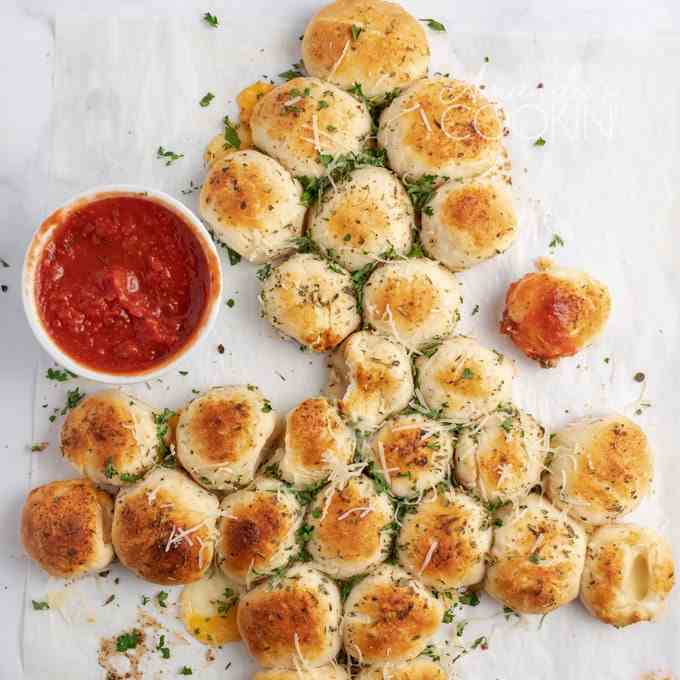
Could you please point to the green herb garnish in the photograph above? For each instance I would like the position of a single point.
(435, 25)
(168, 156)
(206, 99)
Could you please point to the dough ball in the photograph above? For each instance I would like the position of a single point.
(164, 528)
(501, 457)
(370, 375)
(66, 527)
(464, 380)
(252, 204)
(305, 117)
(601, 469)
(537, 558)
(412, 452)
(349, 533)
(555, 312)
(317, 439)
(445, 541)
(389, 617)
(223, 435)
(469, 222)
(416, 669)
(369, 215)
(292, 621)
(110, 437)
(415, 301)
(377, 44)
(311, 300)
(257, 531)
(330, 672)
(628, 576)
(443, 127)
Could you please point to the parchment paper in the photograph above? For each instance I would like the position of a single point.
(605, 181)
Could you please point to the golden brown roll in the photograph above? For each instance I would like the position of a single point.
(349, 528)
(412, 452)
(377, 44)
(253, 205)
(66, 527)
(330, 672)
(536, 559)
(293, 621)
(164, 528)
(415, 301)
(445, 541)
(628, 576)
(311, 300)
(463, 380)
(305, 117)
(370, 375)
(367, 216)
(440, 126)
(416, 669)
(223, 435)
(257, 531)
(555, 312)
(601, 469)
(501, 456)
(316, 439)
(110, 437)
(469, 222)
(389, 617)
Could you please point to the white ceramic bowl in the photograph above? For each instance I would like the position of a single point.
(44, 234)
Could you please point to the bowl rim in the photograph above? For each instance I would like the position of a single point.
(42, 236)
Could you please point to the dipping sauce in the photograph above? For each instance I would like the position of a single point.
(123, 284)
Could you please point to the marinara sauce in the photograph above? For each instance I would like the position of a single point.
(122, 284)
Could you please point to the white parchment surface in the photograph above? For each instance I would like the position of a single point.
(606, 181)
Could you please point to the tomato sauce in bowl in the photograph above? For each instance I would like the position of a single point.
(123, 282)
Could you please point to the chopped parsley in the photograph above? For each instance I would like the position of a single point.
(468, 374)
(162, 648)
(109, 471)
(507, 424)
(338, 168)
(323, 104)
(228, 600)
(162, 598)
(162, 421)
(469, 598)
(639, 377)
(185, 670)
(263, 273)
(128, 640)
(59, 375)
(231, 138)
(556, 241)
(296, 71)
(416, 250)
(539, 142)
(41, 446)
(356, 32)
(432, 652)
(475, 310)
(231, 302)
(206, 99)
(234, 257)
(435, 25)
(109, 600)
(168, 156)
(211, 20)
(267, 406)
(421, 191)
(40, 606)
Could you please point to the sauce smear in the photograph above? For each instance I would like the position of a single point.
(123, 284)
